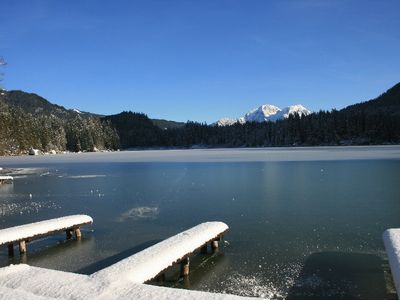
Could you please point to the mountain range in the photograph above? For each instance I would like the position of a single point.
(265, 113)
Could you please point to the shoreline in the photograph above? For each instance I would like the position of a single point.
(215, 155)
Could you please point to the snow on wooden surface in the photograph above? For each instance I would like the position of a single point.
(27, 282)
(31, 230)
(122, 280)
(148, 263)
(391, 239)
(6, 178)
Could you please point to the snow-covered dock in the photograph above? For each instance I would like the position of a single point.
(6, 179)
(21, 234)
(391, 239)
(149, 263)
(123, 280)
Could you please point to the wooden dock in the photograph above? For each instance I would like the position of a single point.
(27, 232)
(6, 179)
(155, 260)
(123, 280)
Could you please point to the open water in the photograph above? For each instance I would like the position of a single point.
(299, 228)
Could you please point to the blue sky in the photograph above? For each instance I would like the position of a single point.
(200, 60)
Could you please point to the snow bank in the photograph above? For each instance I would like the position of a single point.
(31, 230)
(148, 263)
(391, 239)
(27, 282)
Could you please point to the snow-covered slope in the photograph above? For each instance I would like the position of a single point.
(229, 121)
(266, 112)
(262, 114)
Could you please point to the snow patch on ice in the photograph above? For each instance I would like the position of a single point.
(142, 212)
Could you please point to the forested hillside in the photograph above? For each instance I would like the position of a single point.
(29, 121)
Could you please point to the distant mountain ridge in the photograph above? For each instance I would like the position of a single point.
(265, 113)
(36, 105)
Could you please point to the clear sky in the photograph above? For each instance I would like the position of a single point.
(200, 60)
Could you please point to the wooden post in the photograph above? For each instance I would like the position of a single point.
(23, 259)
(78, 233)
(186, 282)
(215, 244)
(203, 249)
(185, 267)
(69, 233)
(10, 249)
(22, 247)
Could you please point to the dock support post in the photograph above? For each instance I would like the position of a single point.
(203, 249)
(185, 267)
(215, 244)
(10, 249)
(22, 247)
(78, 233)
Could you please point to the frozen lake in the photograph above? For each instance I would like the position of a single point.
(303, 221)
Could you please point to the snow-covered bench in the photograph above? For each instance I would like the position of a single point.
(21, 234)
(149, 263)
(391, 239)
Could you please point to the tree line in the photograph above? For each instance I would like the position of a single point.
(29, 121)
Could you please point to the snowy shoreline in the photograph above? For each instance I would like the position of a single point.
(326, 153)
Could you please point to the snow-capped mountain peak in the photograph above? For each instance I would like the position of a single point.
(262, 113)
(291, 110)
(226, 121)
(266, 112)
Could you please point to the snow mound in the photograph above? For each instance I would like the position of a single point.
(27, 282)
